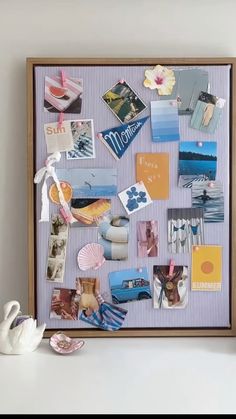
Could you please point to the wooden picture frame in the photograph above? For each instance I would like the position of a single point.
(147, 332)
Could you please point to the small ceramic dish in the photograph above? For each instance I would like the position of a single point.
(63, 344)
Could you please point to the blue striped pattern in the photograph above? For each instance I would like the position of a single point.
(108, 317)
(165, 121)
(87, 151)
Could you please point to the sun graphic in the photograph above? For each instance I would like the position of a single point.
(206, 267)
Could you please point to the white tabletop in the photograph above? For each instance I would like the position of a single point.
(165, 375)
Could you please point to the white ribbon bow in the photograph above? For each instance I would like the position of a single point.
(46, 172)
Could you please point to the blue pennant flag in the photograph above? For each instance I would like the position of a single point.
(119, 138)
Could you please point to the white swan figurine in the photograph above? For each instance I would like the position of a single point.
(21, 339)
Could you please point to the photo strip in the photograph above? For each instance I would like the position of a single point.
(57, 249)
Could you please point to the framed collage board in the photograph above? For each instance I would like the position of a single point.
(131, 210)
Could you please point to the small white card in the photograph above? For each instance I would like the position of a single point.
(135, 197)
(58, 138)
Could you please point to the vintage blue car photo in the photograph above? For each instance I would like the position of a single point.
(129, 285)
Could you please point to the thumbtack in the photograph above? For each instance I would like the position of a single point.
(200, 144)
(99, 135)
(63, 185)
(211, 185)
(121, 81)
(140, 270)
(196, 248)
(79, 124)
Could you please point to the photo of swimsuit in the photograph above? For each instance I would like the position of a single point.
(194, 229)
(179, 228)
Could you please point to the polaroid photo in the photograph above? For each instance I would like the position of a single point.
(147, 238)
(170, 291)
(63, 99)
(129, 285)
(197, 162)
(210, 197)
(88, 211)
(83, 140)
(185, 229)
(64, 304)
(113, 235)
(58, 138)
(90, 183)
(207, 113)
(123, 102)
(135, 198)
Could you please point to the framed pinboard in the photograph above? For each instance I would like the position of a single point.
(144, 154)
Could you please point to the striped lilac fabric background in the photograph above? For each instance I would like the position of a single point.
(205, 309)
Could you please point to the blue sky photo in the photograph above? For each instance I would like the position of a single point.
(208, 147)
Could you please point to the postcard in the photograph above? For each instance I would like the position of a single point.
(206, 268)
(123, 102)
(129, 285)
(170, 291)
(185, 228)
(63, 99)
(87, 289)
(83, 140)
(147, 237)
(207, 113)
(210, 197)
(113, 235)
(188, 86)
(197, 162)
(57, 249)
(88, 211)
(153, 170)
(135, 197)
(118, 139)
(58, 138)
(164, 120)
(90, 183)
(64, 304)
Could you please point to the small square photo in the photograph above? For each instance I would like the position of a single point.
(124, 102)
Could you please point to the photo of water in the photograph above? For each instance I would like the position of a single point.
(211, 199)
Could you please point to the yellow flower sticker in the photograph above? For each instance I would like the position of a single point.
(160, 78)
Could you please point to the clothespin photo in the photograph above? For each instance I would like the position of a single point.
(61, 119)
(63, 78)
(171, 267)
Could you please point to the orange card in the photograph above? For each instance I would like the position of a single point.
(153, 170)
(206, 268)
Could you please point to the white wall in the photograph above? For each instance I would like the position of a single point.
(84, 28)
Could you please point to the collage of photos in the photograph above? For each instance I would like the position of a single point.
(90, 192)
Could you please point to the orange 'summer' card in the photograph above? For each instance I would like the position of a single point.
(206, 268)
(153, 170)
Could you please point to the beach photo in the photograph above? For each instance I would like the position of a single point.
(90, 183)
(88, 211)
(64, 304)
(210, 197)
(197, 162)
(123, 102)
(83, 140)
(129, 285)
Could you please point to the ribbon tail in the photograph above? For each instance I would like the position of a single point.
(45, 202)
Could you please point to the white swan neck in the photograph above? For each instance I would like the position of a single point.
(11, 311)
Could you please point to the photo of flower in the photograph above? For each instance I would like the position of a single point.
(135, 197)
(160, 78)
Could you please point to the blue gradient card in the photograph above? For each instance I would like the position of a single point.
(164, 121)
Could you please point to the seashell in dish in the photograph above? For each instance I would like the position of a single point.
(63, 344)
